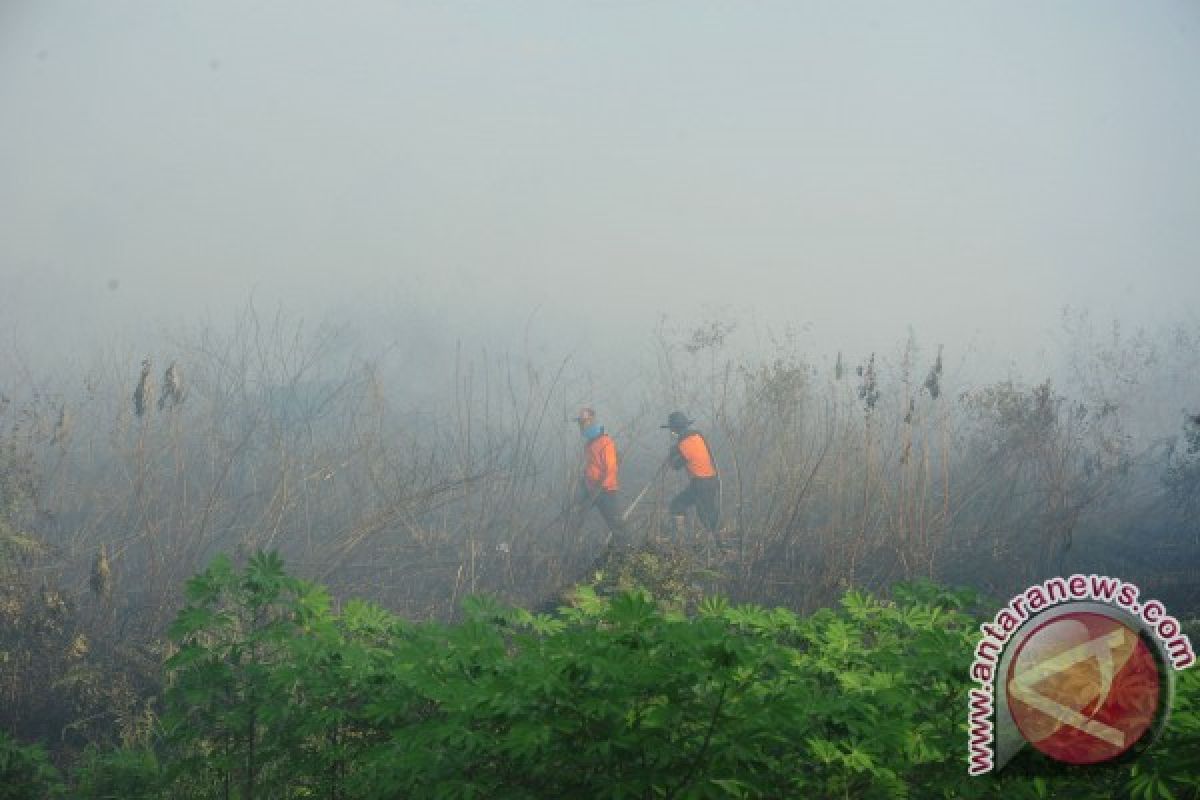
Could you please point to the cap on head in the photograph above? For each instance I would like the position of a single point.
(677, 421)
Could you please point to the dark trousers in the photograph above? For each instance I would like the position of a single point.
(606, 503)
(704, 494)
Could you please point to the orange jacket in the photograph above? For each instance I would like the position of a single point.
(600, 469)
(693, 454)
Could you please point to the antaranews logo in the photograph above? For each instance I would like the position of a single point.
(1079, 668)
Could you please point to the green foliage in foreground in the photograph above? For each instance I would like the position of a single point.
(25, 772)
(273, 695)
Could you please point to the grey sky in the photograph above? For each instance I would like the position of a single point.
(965, 168)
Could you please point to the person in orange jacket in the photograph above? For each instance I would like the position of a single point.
(599, 485)
(689, 450)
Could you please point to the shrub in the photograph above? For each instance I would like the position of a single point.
(26, 772)
(125, 774)
(272, 695)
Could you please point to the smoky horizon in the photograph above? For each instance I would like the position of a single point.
(576, 173)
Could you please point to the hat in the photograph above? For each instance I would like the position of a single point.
(677, 421)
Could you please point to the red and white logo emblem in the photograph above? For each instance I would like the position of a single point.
(1083, 688)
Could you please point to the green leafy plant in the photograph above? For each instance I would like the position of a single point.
(124, 774)
(26, 773)
(223, 694)
(273, 695)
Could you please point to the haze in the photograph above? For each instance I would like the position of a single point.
(846, 169)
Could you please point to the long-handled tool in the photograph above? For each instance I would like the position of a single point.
(642, 493)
